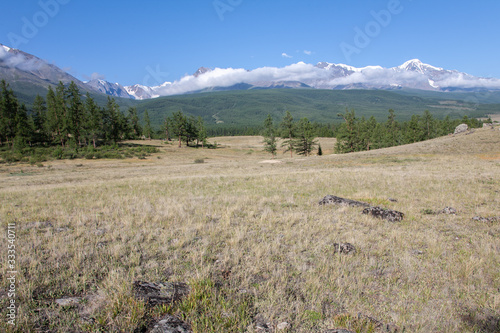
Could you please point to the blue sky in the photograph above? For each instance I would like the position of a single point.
(150, 42)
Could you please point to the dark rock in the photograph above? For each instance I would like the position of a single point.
(386, 214)
(171, 324)
(448, 210)
(486, 219)
(329, 199)
(392, 200)
(160, 293)
(345, 248)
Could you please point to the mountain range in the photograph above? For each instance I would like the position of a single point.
(21, 69)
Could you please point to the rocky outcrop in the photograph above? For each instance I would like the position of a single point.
(171, 324)
(344, 248)
(461, 129)
(385, 214)
(160, 293)
(331, 199)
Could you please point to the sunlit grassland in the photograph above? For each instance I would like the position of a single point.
(251, 239)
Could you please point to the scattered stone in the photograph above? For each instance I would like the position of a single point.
(448, 210)
(329, 199)
(344, 248)
(283, 326)
(68, 301)
(386, 214)
(392, 200)
(171, 324)
(417, 252)
(62, 229)
(101, 245)
(160, 293)
(461, 129)
(486, 219)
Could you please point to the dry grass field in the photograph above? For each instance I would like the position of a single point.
(251, 241)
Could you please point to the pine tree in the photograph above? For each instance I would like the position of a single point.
(133, 120)
(8, 110)
(23, 129)
(63, 122)
(202, 132)
(93, 120)
(147, 125)
(177, 123)
(111, 121)
(40, 119)
(74, 114)
(347, 134)
(320, 151)
(305, 139)
(287, 132)
(270, 144)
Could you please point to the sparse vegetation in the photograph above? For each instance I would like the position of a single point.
(252, 242)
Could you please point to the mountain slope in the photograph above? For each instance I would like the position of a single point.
(250, 107)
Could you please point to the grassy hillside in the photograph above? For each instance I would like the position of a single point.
(252, 243)
(250, 107)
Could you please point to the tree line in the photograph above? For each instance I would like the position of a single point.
(299, 137)
(358, 134)
(63, 118)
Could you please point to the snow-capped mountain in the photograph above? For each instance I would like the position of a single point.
(22, 69)
(113, 89)
(19, 67)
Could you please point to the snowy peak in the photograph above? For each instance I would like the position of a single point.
(416, 65)
(201, 70)
(112, 89)
(6, 48)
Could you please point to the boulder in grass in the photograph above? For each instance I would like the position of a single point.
(171, 324)
(331, 199)
(448, 210)
(461, 129)
(385, 214)
(160, 293)
(344, 248)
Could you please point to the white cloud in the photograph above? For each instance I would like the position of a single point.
(373, 76)
(284, 55)
(307, 52)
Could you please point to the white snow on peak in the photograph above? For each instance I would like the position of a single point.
(6, 48)
(417, 65)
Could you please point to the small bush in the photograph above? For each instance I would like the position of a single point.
(199, 160)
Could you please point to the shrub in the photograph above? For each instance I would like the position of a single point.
(199, 160)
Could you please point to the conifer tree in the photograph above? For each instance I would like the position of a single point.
(270, 144)
(178, 125)
(305, 138)
(23, 129)
(147, 125)
(93, 120)
(202, 132)
(287, 132)
(111, 121)
(8, 111)
(74, 114)
(39, 119)
(133, 120)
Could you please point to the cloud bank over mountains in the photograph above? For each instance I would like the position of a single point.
(412, 74)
